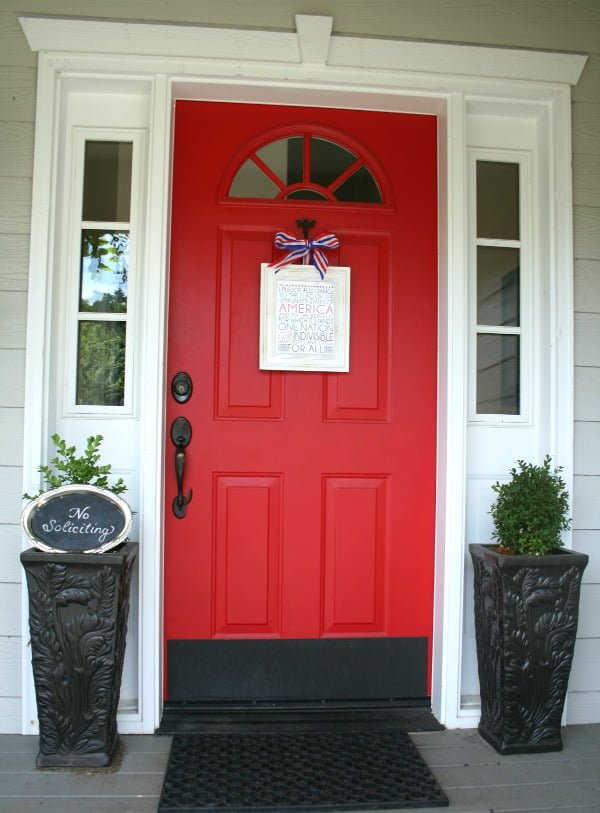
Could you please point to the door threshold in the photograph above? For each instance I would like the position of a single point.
(193, 717)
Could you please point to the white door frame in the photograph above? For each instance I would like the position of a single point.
(309, 66)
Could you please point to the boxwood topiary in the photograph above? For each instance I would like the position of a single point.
(531, 509)
(68, 469)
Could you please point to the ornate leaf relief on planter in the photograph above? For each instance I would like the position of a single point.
(78, 608)
(526, 613)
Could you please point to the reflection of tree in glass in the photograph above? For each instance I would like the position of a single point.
(107, 247)
(101, 363)
(108, 303)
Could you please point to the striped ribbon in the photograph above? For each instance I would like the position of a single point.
(297, 247)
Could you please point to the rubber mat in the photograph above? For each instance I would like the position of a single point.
(297, 771)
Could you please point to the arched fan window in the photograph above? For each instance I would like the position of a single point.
(305, 166)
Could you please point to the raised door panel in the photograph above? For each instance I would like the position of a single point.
(363, 393)
(247, 544)
(243, 391)
(355, 525)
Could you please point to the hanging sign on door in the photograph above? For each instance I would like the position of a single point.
(305, 318)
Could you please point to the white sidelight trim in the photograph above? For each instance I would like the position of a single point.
(562, 373)
(152, 365)
(310, 67)
(452, 418)
(38, 332)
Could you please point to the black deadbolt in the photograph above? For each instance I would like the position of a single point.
(181, 387)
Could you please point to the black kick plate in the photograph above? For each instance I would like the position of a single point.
(331, 669)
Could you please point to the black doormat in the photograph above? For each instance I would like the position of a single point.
(352, 769)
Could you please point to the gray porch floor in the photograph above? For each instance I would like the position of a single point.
(474, 777)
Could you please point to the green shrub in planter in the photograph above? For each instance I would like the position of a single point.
(526, 601)
(531, 509)
(68, 469)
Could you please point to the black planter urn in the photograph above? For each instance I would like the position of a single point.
(78, 608)
(526, 612)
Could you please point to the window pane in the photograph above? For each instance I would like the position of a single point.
(251, 182)
(360, 187)
(104, 270)
(328, 161)
(285, 157)
(497, 200)
(498, 375)
(101, 363)
(107, 180)
(497, 286)
(306, 194)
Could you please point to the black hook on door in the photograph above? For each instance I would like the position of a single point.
(181, 434)
(306, 225)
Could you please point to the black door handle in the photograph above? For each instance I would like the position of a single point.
(181, 434)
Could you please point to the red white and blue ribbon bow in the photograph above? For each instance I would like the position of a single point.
(298, 247)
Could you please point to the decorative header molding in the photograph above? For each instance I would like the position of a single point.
(311, 45)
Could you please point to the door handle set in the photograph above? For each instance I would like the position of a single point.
(181, 434)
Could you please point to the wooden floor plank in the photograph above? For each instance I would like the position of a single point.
(528, 773)
(523, 798)
(16, 744)
(50, 782)
(149, 744)
(90, 804)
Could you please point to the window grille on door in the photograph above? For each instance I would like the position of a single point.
(305, 166)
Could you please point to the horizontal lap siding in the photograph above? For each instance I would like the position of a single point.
(584, 697)
(17, 94)
(571, 25)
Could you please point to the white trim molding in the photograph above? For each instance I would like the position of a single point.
(312, 44)
(310, 66)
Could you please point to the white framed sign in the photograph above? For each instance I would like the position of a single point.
(305, 320)
(77, 519)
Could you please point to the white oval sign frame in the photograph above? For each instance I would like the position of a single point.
(39, 502)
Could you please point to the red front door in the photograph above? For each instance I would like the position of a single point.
(304, 562)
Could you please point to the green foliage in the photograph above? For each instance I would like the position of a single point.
(70, 469)
(531, 509)
(107, 248)
(101, 363)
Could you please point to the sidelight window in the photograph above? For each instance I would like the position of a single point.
(498, 255)
(104, 267)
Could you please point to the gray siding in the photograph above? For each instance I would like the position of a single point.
(584, 702)
(17, 82)
(564, 25)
